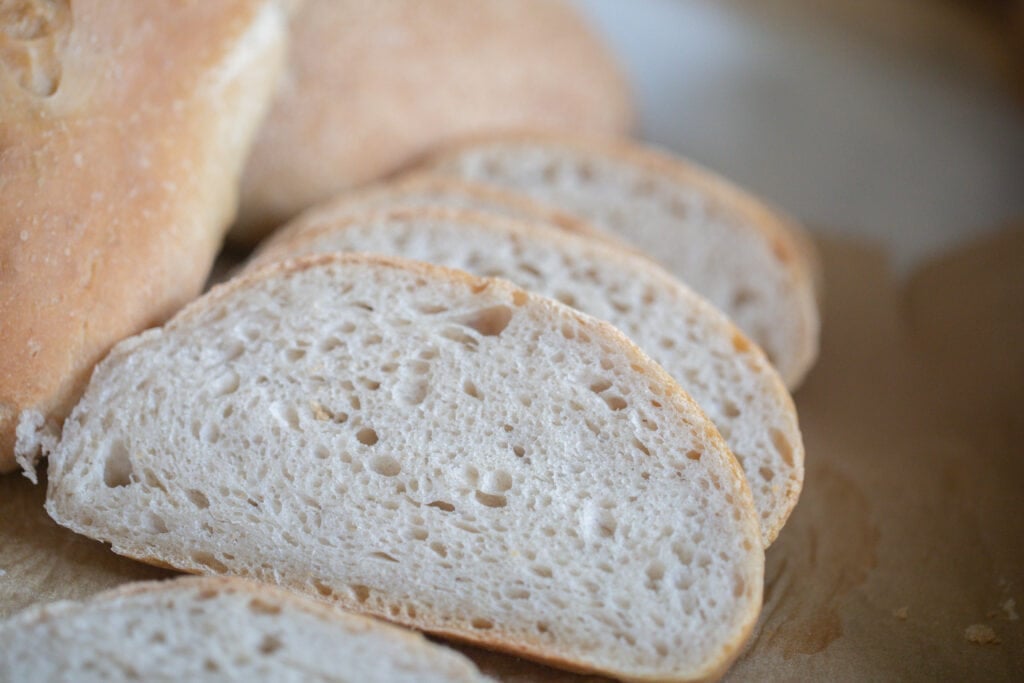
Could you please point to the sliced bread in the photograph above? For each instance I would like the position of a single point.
(728, 375)
(448, 452)
(747, 259)
(216, 629)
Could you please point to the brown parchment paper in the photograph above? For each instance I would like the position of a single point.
(907, 546)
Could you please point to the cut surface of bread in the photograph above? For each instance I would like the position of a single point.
(448, 452)
(727, 375)
(744, 257)
(371, 85)
(216, 629)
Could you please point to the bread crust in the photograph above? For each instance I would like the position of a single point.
(372, 84)
(116, 186)
(672, 392)
(787, 240)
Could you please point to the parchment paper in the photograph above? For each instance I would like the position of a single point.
(909, 537)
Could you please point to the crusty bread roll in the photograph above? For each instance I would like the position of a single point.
(445, 451)
(216, 629)
(748, 259)
(726, 373)
(123, 129)
(374, 83)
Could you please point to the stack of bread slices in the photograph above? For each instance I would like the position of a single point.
(530, 394)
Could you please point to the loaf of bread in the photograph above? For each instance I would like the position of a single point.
(123, 129)
(373, 84)
(727, 375)
(447, 452)
(751, 262)
(216, 629)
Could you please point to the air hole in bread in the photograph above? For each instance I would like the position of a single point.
(490, 500)
(258, 606)
(655, 573)
(322, 589)
(440, 548)
(481, 624)
(198, 498)
(542, 571)
(347, 327)
(329, 343)
(470, 389)
(431, 309)
(568, 332)
(542, 627)
(519, 451)
(489, 322)
(498, 480)
(209, 561)
(457, 335)
(371, 384)
(615, 402)
(210, 665)
(441, 505)
(385, 466)
(294, 355)
(639, 445)
(597, 386)
(154, 523)
(367, 436)
(419, 534)
(270, 644)
(361, 593)
(693, 455)
(117, 471)
(383, 556)
(766, 473)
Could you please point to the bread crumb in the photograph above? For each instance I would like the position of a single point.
(981, 635)
(1010, 607)
(901, 613)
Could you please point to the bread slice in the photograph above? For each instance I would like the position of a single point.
(216, 629)
(411, 442)
(371, 85)
(124, 127)
(747, 259)
(728, 375)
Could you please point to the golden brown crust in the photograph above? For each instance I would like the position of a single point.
(788, 242)
(373, 84)
(115, 188)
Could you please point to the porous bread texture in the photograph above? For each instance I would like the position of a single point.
(447, 452)
(372, 85)
(744, 257)
(726, 373)
(216, 629)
